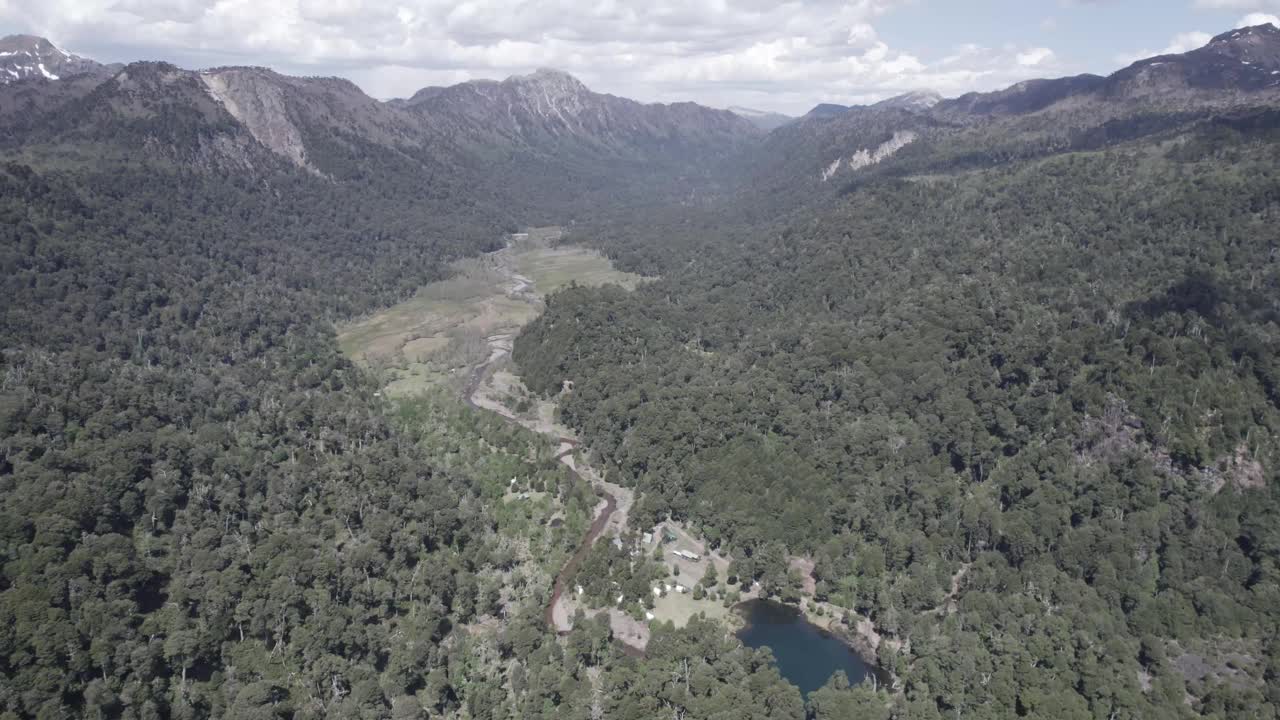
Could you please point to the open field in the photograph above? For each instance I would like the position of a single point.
(554, 268)
(678, 608)
(446, 328)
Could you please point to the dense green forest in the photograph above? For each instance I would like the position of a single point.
(1055, 382)
(206, 511)
(1014, 391)
(210, 512)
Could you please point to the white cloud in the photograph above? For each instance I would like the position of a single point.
(1182, 42)
(1258, 18)
(1034, 56)
(777, 55)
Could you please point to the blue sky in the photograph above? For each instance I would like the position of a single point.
(1085, 36)
(783, 56)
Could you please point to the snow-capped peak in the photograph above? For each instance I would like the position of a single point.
(28, 56)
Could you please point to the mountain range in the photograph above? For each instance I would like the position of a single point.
(545, 140)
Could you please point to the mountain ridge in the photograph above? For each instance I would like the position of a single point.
(24, 57)
(548, 123)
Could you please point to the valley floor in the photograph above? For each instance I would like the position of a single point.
(459, 333)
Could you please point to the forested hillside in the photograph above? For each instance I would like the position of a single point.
(187, 459)
(1053, 383)
(209, 511)
(1005, 368)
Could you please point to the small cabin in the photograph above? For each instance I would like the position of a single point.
(686, 555)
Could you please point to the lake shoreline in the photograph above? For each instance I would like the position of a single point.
(863, 640)
(823, 626)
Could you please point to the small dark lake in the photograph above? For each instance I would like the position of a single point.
(807, 655)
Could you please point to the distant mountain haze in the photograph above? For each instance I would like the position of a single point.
(762, 119)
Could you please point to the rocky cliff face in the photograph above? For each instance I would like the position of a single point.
(285, 113)
(866, 157)
(260, 107)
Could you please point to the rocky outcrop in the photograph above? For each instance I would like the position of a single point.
(260, 107)
(868, 156)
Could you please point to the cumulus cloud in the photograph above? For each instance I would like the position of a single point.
(777, 55)
(1180, 43)
(1034, 56)
(1258, 18)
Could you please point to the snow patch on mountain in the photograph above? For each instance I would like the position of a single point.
(28, 56)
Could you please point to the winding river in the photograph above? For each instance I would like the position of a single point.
(499, 348)
(806, 655)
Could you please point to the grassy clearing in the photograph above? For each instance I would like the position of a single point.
(677, 608)
(432, 312)
(437, 335)
(551, 269)
(415, 378)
